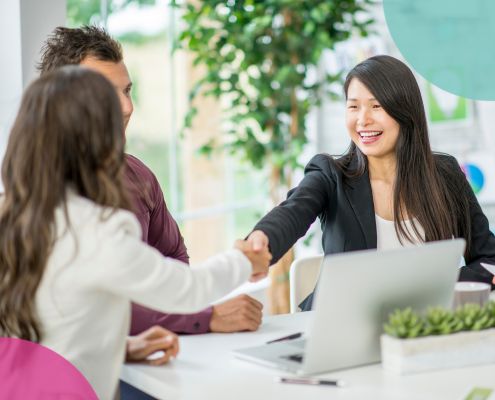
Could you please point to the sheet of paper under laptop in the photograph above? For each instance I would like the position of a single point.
(490, 268)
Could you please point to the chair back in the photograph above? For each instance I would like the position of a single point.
(303, 275)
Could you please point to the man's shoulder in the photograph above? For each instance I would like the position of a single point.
(143, 185)
(138, 173)
(139, 168)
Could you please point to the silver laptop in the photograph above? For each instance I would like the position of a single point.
(354, 296)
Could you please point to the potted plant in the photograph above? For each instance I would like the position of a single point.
(439, 339)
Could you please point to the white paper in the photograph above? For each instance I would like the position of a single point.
(489, 268)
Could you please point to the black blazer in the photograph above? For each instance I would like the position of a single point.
(346, 212)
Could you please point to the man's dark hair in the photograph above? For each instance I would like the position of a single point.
(69, 46)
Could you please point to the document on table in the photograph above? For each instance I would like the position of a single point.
(490, 268)
(479, 393)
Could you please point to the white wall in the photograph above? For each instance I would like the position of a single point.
(38, 19)
(24, 25)
(10, 67)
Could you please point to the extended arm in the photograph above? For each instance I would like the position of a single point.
(142, 274)
(237, 314)
(289, 221)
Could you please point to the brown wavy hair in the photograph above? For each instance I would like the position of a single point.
(424, 188)
(68, 134)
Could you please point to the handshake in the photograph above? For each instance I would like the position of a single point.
(255, 248)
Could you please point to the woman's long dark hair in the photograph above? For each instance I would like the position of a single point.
(422, 188)
(68, 134)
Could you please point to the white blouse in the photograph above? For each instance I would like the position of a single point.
(97, 267)
(386, 236)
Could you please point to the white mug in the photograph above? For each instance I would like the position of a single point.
(471, 292)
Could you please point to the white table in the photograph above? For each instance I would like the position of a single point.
(205, 369)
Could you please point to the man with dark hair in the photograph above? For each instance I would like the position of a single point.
(94, 48)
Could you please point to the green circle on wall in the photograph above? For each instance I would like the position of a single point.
(451, 43)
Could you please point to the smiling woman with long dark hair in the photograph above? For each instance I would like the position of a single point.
(389, 189)
(71, 255)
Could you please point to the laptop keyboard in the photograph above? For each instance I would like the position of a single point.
(295, 357)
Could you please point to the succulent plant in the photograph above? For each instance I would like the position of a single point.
(475, 317)
(439, 321)
(404, 324)
(491, 311)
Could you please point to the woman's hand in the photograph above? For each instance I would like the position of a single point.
(260, 259)
(258, 240)
(153, 340)
(259, 243)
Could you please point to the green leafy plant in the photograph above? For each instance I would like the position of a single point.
(83, 12)
(474, 317)
(439, 321)
(405, 323)
(491, 309)
(261, 58)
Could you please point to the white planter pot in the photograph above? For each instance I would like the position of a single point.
(405, 356)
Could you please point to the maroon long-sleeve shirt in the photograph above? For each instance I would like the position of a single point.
(161, 232)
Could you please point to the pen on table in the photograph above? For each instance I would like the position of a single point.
(288, 337)
(311, 381)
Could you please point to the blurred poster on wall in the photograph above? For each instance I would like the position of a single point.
(446, 109)
(479, 169)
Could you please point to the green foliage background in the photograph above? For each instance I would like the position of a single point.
(83, 12)
(261, 58)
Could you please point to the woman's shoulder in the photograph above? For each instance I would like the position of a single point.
(341, 168)
(446, 164)
(444, 158)
(323, 161)
(449, 170)
(88, 216)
